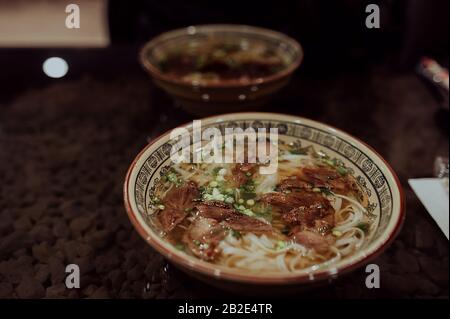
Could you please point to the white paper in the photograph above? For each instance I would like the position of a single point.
(435, 199)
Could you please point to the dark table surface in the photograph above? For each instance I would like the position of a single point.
(65, 146)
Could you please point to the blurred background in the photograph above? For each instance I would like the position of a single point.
(66, 142)
(409, 27)
(332, 33)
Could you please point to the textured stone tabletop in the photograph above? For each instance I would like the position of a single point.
(65, 146)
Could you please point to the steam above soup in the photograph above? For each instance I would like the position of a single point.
(310, 213)
(215, 61)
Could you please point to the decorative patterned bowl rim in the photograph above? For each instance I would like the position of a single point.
(350, 263)
(207, 28)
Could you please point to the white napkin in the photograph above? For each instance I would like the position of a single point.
(433, 196)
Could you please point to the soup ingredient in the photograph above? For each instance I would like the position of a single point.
(203, 236)
(313, 240)
(327, 178)
(242, 173)
(231, 218)
(177, 202)
(308, 210)
(294, 182)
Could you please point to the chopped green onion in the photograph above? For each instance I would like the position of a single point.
(213, 184)
(326, 191)
(329, 162)
(298, 152)
(216, 170)
(248, 195)
(236, 234)
(179, 246)
(229, 200)
(172, 177)
(337, 233)
(280, 244)
(363, 226)
(341, 170)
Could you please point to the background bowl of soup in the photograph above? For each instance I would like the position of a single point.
(361, 194)
(221, 68)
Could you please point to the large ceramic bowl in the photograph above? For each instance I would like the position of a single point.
(214, 98)
(374, 176)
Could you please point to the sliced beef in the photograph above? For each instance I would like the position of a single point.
(229, 217)
(285, 202)
(170, 217)
(203, 236)
(306, 209)
(176, 204)
(289, 201)
(326, 177)
(215, 209)
(294, 182)
(303, 215)
(245, 223)
(313, 240)
(241, 173)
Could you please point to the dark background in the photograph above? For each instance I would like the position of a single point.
(333, 33)
(65, 144)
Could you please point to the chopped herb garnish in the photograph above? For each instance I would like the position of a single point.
(280, 244)
(329, 162)
(155, 200)
(297, 150)
(326, 191)
(173, 177)
(249, 186)
(180, 247)
(197, 242)
(247, 195)
(363, 226)
(236, 234)
(337, 233)
(216, 170)
(341, 170)
(300, 151)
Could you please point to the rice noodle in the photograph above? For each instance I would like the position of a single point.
(354, 218)
(256, 253)
(351, 200)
